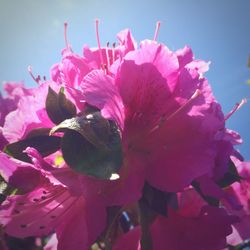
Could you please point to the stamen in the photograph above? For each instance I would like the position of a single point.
(107, 56)
(113, 52)
(163, 119)
(236, 108)
(98, 41)
(36, 79)
(157, 28)
(65, 35)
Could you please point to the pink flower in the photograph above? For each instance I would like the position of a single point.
(204, 227)
(31, 111)
(7, 104)
(61, 201)
(165, 109)
(76, 214)
(171, 135)
(241, 191)
(73, 67)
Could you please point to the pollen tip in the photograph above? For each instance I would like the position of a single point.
(196, 93)
(29, 69)
(157, 28)
(236, 108)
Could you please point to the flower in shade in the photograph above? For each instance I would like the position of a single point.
(241, 191)
(194, 226)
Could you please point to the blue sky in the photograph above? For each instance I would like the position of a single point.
(217, 30)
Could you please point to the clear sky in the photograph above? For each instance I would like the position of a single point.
(217, 30)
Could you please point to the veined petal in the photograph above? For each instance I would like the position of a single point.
(99, 90)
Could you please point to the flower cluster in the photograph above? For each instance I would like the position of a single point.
(124, 147)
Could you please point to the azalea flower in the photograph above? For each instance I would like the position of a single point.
(193, 226)
(163, 108)
(74, 67)
(120, 119)
(9, 103)
(58, 200)
(240, 190)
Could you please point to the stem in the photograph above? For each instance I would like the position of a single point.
(145, 219)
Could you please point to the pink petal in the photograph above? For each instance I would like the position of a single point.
(19, 174)
(99, 90)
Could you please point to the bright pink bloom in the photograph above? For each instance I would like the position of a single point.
(165, 109)
(73, 67)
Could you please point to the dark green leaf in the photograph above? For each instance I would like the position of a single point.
(230, 176)
(158, 200)
(44, 144)
(38, 132)
(93, 127)
(58, 107)
(210, 200)
(86, 158)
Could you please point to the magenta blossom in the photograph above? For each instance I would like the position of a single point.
(72, 205)
(73, 67)
(9, 103)
(164, 108)
(147, 113)
(241, 191)
(193, 226)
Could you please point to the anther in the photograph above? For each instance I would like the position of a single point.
(107, 56)
(236, 108)
(41, 227)
(65, 34)
(23, 226)
(36, 79)
(113, 52)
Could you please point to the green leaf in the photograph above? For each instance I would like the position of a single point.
(93, 127)
(91, 147)
(209, 199)
(38, 132)
(44, 144)
(58, 107)
(230, 176)
(158, 200)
